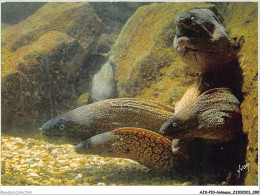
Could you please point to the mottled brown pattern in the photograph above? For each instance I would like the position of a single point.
(141, 145)
(215, 114)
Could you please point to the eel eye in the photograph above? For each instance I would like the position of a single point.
(174, 124)
(193, 19)
(61, 126)
(86, 147)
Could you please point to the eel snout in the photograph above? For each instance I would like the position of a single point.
(166, 128)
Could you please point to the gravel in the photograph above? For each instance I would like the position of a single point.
(37, 162)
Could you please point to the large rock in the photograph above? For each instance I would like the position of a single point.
(241, 19)
(37, 80)
(146, 64)
(41, 57)
(77, 20)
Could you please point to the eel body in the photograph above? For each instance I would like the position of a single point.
(106, 115)
(146, 147)
(215, 114)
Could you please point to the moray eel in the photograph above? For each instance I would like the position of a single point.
(103, 116)
(215, 114)
(202, 41)
(146, 147)
(103, 83)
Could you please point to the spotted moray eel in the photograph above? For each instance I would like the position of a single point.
(209, 109)
(146, 147)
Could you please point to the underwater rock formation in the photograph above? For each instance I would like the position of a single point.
(241, 19)
(77, 20)
(40, 58)
(37, 80)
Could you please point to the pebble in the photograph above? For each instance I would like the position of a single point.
(30, 162)
(73, 165)
(101, 184)
(33, 175)
(25, 166)
(21, 151)
(79, 178)
(34, 165)
(8, 155)
(62, 162)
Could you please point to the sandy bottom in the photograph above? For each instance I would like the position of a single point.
(28, 161)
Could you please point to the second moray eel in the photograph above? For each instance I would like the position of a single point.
(146, 147)
(102, 116)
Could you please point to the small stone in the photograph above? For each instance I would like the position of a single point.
(8, 156)
(73, 165)
(40, 165)
(101, 184)
(186, 183)
(30, 162)
(21, 151)
(62, 162)
(24, 166)
(34, 165)
(50, 148)
(79, 178)
(33, 175)
(18, 139)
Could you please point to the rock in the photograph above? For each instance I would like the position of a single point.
(33, 175)
(30, 162)
(73, 165)
(8, 156)
(103, 83)
(38, 84)
(244, 23)
(25, 166)
(83, 99)
(79, 178)
(101, 184)
(62, 162)
(41, 56)
(145, 64)
(77, 20)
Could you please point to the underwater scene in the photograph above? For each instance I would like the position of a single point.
(129, 93)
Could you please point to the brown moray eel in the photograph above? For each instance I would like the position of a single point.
(213, 115)
(103, 116)
(146, 147)
(202, 41)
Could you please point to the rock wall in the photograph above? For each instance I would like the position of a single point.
(241, 19)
